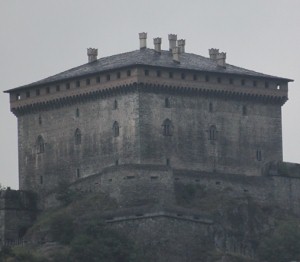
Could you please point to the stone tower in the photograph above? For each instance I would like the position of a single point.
(150, 109)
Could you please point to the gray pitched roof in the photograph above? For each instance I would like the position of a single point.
(149, 57)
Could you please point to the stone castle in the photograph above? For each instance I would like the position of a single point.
(135, 124)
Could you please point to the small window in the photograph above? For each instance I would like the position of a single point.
(244, 110)
(266, 85)
(243, 82)
(77, 137)
(27, 94)
(254, 83)
(18, 97)
(67, 86)
(278, 86)
(168, 162)
(78, 173)
(170, 74)
(98, 79)
(210, 107)
(195, 77)
(158, 73)
(207, 78)
(37, 92)
(182, 75)
(115, 104)
(117, 162)
(88, 82)
(108, 77)
(40, 145)
(119, 75)
(41, 180)
(40, 119)
(128, 72)
(77, 83)
(219, 80)
(146, 72)
(116, 129)
(167, 102)
(167, 128)
(48, 90)
(258, 155)
(212, 133)
(231, 81)
(77, 112)
(57, 88)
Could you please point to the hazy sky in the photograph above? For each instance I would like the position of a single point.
(39, 38)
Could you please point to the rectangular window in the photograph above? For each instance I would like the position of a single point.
(57, 88)
(98, 79)
(258, 155)
(48, 90)
(41, 180)
(88, 82)
(18, 96)
(119, 75)
(78, 172)
(77, 83)
(107, 77)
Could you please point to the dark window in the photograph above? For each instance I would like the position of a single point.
(40, 119)
(244, 110)
(41, 180)
(77, 83)
(170, 74)
(258, 155)
(98, 79)
(128, 73)
(67, 86)
(77, 137)
(78, 172)
(231, 81)
(37, 92)
(167, 102)
(40, 145)
(116, 129)
(48, 89)
(88, 82)
(115, 104)
(210, 107)
(108, 77)
(219, 80)
(266, 85)
(243, 82)
(254, 83)
(27, 94)
(77, 112)
(168, 162)
(167, 128)
(146, 72)
(57, 88)
(119, 75)
(206, 78)
(158, 73)
(212, 133)
(117, 162)
(195, 77)
(182, 75)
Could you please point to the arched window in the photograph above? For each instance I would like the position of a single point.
(212, 133)
(116, 129)
(77, 137)
(40, 145)
(115, 104)
(167, 127)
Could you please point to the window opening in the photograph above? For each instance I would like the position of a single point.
(88, 82)
(258, 155)
(67, 86)
(243, 82)
(107, 77)
(77, 83)
(168, 162)
(41, 180)
(210, 107)
(48, 89)
(195, 77)
(77, 137)
(98, 79)
(244, 110)
(77, 112)
(28, 94)
(37, 92)
(278, 86)
(170, 74)
(116, 129)
(167, 128)
(146, 72)
(119, 75)
(212, 133)
(40, 119)
(254, 83)
(115, 104)
(57, 88)
(78, 172)
(167, 102)
(128, 72)
(206, 78)
(117, 162)
(40, 145)
(182, 75)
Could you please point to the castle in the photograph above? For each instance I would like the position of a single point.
(135, 123)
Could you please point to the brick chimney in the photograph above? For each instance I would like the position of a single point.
(181, 45)
(172, 41)
(157, 44)
(143, 40)
(175, 53)
(221, 59)
(213, 53)
(92, 54)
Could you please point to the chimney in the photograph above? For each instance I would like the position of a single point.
(143, 40)
(157, 44)
(221, 59)
(175, 52)
(213, 52)
(181, 45)
(172, 41)
(92, 54)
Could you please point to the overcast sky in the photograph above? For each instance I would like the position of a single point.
(39, 38)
